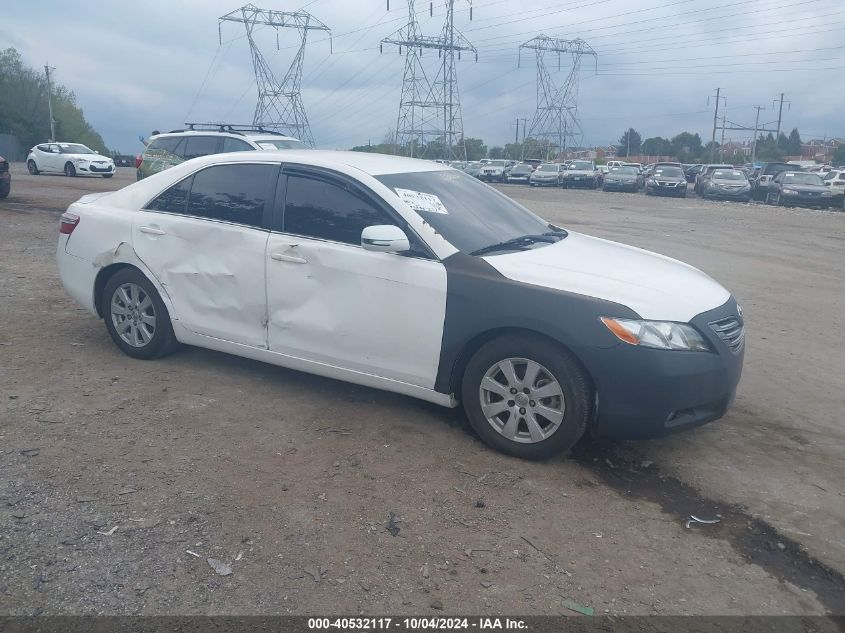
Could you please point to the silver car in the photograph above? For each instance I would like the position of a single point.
(547, 174)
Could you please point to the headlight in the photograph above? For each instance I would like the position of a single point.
(826, 193)
(76, 161)
(657, 334)
(790, 192)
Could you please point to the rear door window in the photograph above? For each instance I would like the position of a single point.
(174, 199)
(165, 144)
(201, 146)
(232, 193)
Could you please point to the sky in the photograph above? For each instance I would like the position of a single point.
(136, 67)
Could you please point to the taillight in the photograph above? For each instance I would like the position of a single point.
(138, 161)
(68, 223)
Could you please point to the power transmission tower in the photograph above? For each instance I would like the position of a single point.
(556, 119)
(47, 69)
(279, 104)
(430, 110)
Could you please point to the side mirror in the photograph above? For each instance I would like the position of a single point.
(385, 238)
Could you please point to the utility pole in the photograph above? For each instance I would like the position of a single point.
(780, 114)
(756, 127)
(47, 70)
(516, 138)
(715, 123)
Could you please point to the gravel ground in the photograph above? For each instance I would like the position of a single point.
(121, 478)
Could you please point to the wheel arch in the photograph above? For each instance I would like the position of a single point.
(470, 347)
(102, 279)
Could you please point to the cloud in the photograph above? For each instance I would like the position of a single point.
(137, 67)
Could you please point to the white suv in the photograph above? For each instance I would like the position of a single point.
(172, 148)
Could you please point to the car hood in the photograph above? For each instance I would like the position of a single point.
(807, 188)
(578, 172)
(550, 174)
(654, 286)
(672, 179)
(737, 183)
(627, 178)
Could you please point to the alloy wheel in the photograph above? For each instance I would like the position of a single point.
(522, 400)
(133, 314)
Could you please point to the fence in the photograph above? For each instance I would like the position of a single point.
(10, 148)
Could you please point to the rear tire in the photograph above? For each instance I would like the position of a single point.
(32, 167)
(551, 408)
(70, 170)
(136, 318)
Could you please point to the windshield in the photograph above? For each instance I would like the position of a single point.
(624, 171)
(279, 143)
(802, 179)
(669, 172)
(522, 169)
(721, 174)
(469, 214)
(547, 168)
(497, 163)
(583, 165)
(75, 148)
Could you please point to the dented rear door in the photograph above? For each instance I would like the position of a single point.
(204, 240)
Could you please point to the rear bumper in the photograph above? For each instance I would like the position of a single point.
(645, 393)
(77, 275)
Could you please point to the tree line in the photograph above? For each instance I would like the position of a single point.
(688, 147)
(24, 111)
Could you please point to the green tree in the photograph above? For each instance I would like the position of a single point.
(767, 148)
(476, 149)
(496, 152)
(794, 144)
(687, 147)
(657, 146)
(629, 144)
(838, 157)
(24, 111)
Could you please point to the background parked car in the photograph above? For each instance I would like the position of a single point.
(767, 172)
(704, 174)
(729, 184)
(667, 180)
(69, 159)
(835, 181)
(692, 171)
(545, 175)
(623, 179)
(166, 150)
(520, 173)
(494, 171)
(5, 178)
(473, 168)
(796, 188)
(580, 173)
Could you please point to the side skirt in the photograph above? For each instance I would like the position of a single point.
(312, 367)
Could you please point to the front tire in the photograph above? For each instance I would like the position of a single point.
(525, 397)
(32, 167)
(70, 170)
(107, 175)
(136, 318)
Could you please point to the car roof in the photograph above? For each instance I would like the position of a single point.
(264, 136)
(367, 162)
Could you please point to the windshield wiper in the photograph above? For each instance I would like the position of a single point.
(522, 242)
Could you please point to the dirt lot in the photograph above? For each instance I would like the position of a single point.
(120, 477)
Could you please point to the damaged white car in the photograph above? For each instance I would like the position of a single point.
(413, 277)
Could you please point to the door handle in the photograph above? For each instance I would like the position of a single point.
(293, 259)
(151, 230)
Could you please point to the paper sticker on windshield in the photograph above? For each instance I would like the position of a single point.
(419, 201)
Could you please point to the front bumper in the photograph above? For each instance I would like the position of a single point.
(645, 393)
(619, 186)
(90, 168)
(583, 181)
(550, 182)
(491, 177)
(666, 191)
(728, 194)
(807, 201)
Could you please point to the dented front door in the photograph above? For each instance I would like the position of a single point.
(213, 273)
(338, 304)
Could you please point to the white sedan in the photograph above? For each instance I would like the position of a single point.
(70, 159)
(413, 277)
